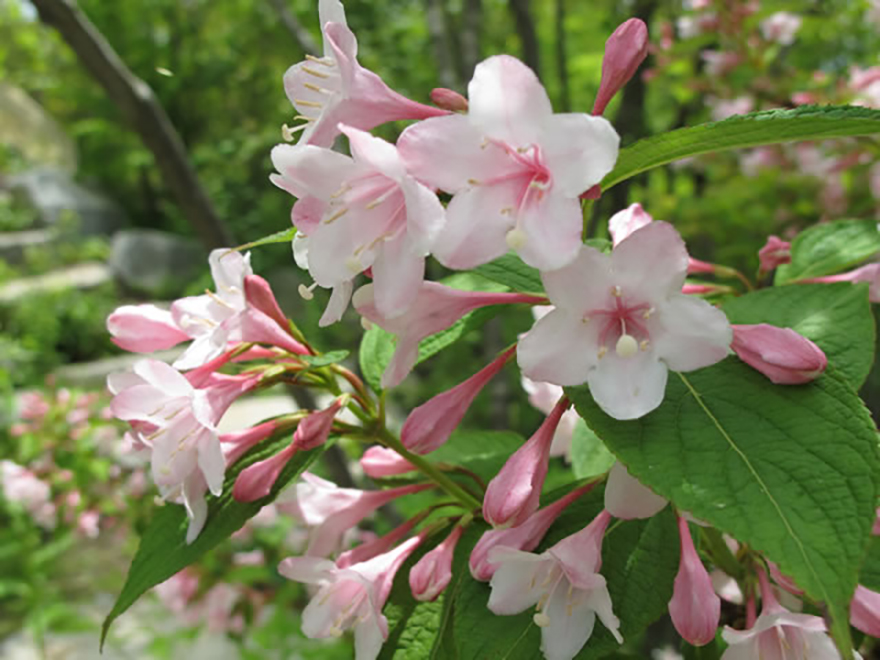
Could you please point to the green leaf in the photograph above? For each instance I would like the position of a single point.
(283, 236)
(789, 470)
(739, 132)
(830, 248)
(325, 359)
(589, 456)
(481, 452)
(836, 316)
(510, 271)
(640, 560)
(163, 550)
(870, 574)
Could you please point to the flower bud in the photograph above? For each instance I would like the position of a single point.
(625, 51)
(314, 430)
(695, 609)
(378, 462)
(625, 222)
(869, 273)
(449, 99)
(432, 573)
(430, 425)
(259, 295)
(774, 253)
(256, 481)
(512, 496)
(781, 354)
(865, 611)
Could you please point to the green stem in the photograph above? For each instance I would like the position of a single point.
(467, 500)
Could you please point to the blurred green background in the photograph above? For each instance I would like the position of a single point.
(88, 222)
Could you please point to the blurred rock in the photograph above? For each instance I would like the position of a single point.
(60, 202)
(14, 243)
(28, 128)
(155, 263)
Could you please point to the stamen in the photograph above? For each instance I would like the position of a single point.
(381, 198)
(315, 88)
(353, 264)
(507, 210)
(603, 350)
(339, 193)
(341, 212)
(308, 104)
(644, 344)
(306, 291)
(303, 118)
(473, 182)
(319, 60)
(648, 312)
(627, 346)
(516, 239)
(286, 133)
(217, 299)
(312, 72)
(616, 292)
(541, 620)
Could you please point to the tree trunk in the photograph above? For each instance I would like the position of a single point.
(440, 42)
(525, 27)
(471, 26)
(141, 108)
(301, 36)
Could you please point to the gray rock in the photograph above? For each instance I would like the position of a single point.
(61, 202)
(13, 244)
(155, 263)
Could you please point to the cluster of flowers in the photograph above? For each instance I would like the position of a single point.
(516, 173)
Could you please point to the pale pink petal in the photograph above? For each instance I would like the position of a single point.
(425, 215)
(229, 268)
(507, 101)
(144, 328)
(628, 499)
(212, 463)
(627, 388)
(306, 216)
(369, 635)
(579, 151)
(515, 584)
(309, 570)
(320, 172)
(583, 285)
(571, 624)
(625, 222)
(559, 349)
(652, 261)
(694, 334)
(196, 506)
(600, 602)
(398, 273)
(374, 152)
(330, 11)
(162, 376)
(337, 304)
(553, 229)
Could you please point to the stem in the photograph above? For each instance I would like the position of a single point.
(467, 500)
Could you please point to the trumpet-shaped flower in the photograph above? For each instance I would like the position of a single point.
(335, 88)
(436, 308)
(621, 322)
(694, 608)
(544, 396)
(374, 216)
(564, 583)
(869, 273)
(865, 611)
(144, 328)
(350, 597)
(514, 168)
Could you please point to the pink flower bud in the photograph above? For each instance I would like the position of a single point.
(695, 609)
(379, 545)
(449, 99)
(380, 462)
(869, 273)
(625, 222)
(865, 611)
(256, 481)
(144, 329)
(259, 296)
(429, 426)
(314, 429)
(695, 266)
(525, 537)
(775, 253)
(781, 354)
(512, 496)
(237, 443)
(432, 573)
(625, 51)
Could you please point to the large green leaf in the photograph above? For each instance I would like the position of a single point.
(481, 452)
(751, 130)
(640, 559)
(163, 550)
(790, 470)
(870, 574)
(589, 456)
(510, 271)
(830, 248)
(836, 316)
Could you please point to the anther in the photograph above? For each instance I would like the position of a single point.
(319, 60)
(353, 264)
(616, 292)
(541, 620)
(308, 104)
(312, 72)
(603, 350)
(473, 182)
(627, 346)
(306, 291)
(648, 312)
(516, 239)
(643, 345)
(341, 212)
(315, 88)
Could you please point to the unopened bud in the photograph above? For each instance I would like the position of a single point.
(431, 575)
(775, 253)
(256, 481)
(449, 100)
(625, 51)
(695, 609)
(781, 354)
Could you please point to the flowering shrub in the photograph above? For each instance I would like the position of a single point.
(729, 405)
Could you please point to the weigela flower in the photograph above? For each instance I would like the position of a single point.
(627, 499)
(694, 608)
(379, 462)
(869, 273)
(432, 573)
(625, 51)
(350, 597)
(514, 168)
(781, 27)
(544, 396)
(144, 328)
(335, 88)
(865, 611)
(564, 583)
(621, 322)
(374, 216)
(774, 253)
(781, 354)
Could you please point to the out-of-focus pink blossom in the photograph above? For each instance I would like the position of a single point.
(781, 354)
(22, 486)
(869, 273)
(177, 591)
(774, 253)
(378, 462)
(32, 406)
(804, 98)
(781, 27)
(865, 611)
(719, 63)
(429, 426)
(695, 609)
(432, 573)
(724, 108)
(625, 50)
(88, 524)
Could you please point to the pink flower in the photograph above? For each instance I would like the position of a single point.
(436, 307)
(380, 462)
(350, 597)
(565, 584)
(694, 608)
(23, 487)
(525, 536)
(625, 51)
(865, 611)
(781, 354)
(432, 573)
(621, 322)
(544, 396)
(429, 426)
(88, 524)
(144, 329)
(214, 320)
(515, 169)
(774, 253)
(178, 590)
(628, 499)
(512, 496)
(32, 406)
(869, 273)
(449, 99)
(719, 63)
(374, 216)
(724, 108)
(335, 88)
(778, 633)
(330, 510)
(371, 547)
(781, 27)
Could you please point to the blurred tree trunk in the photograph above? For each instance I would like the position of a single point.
(441, 43)
(525, 27)
(139, 105)
(561, 58)
(471, 28)
(301, 36)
